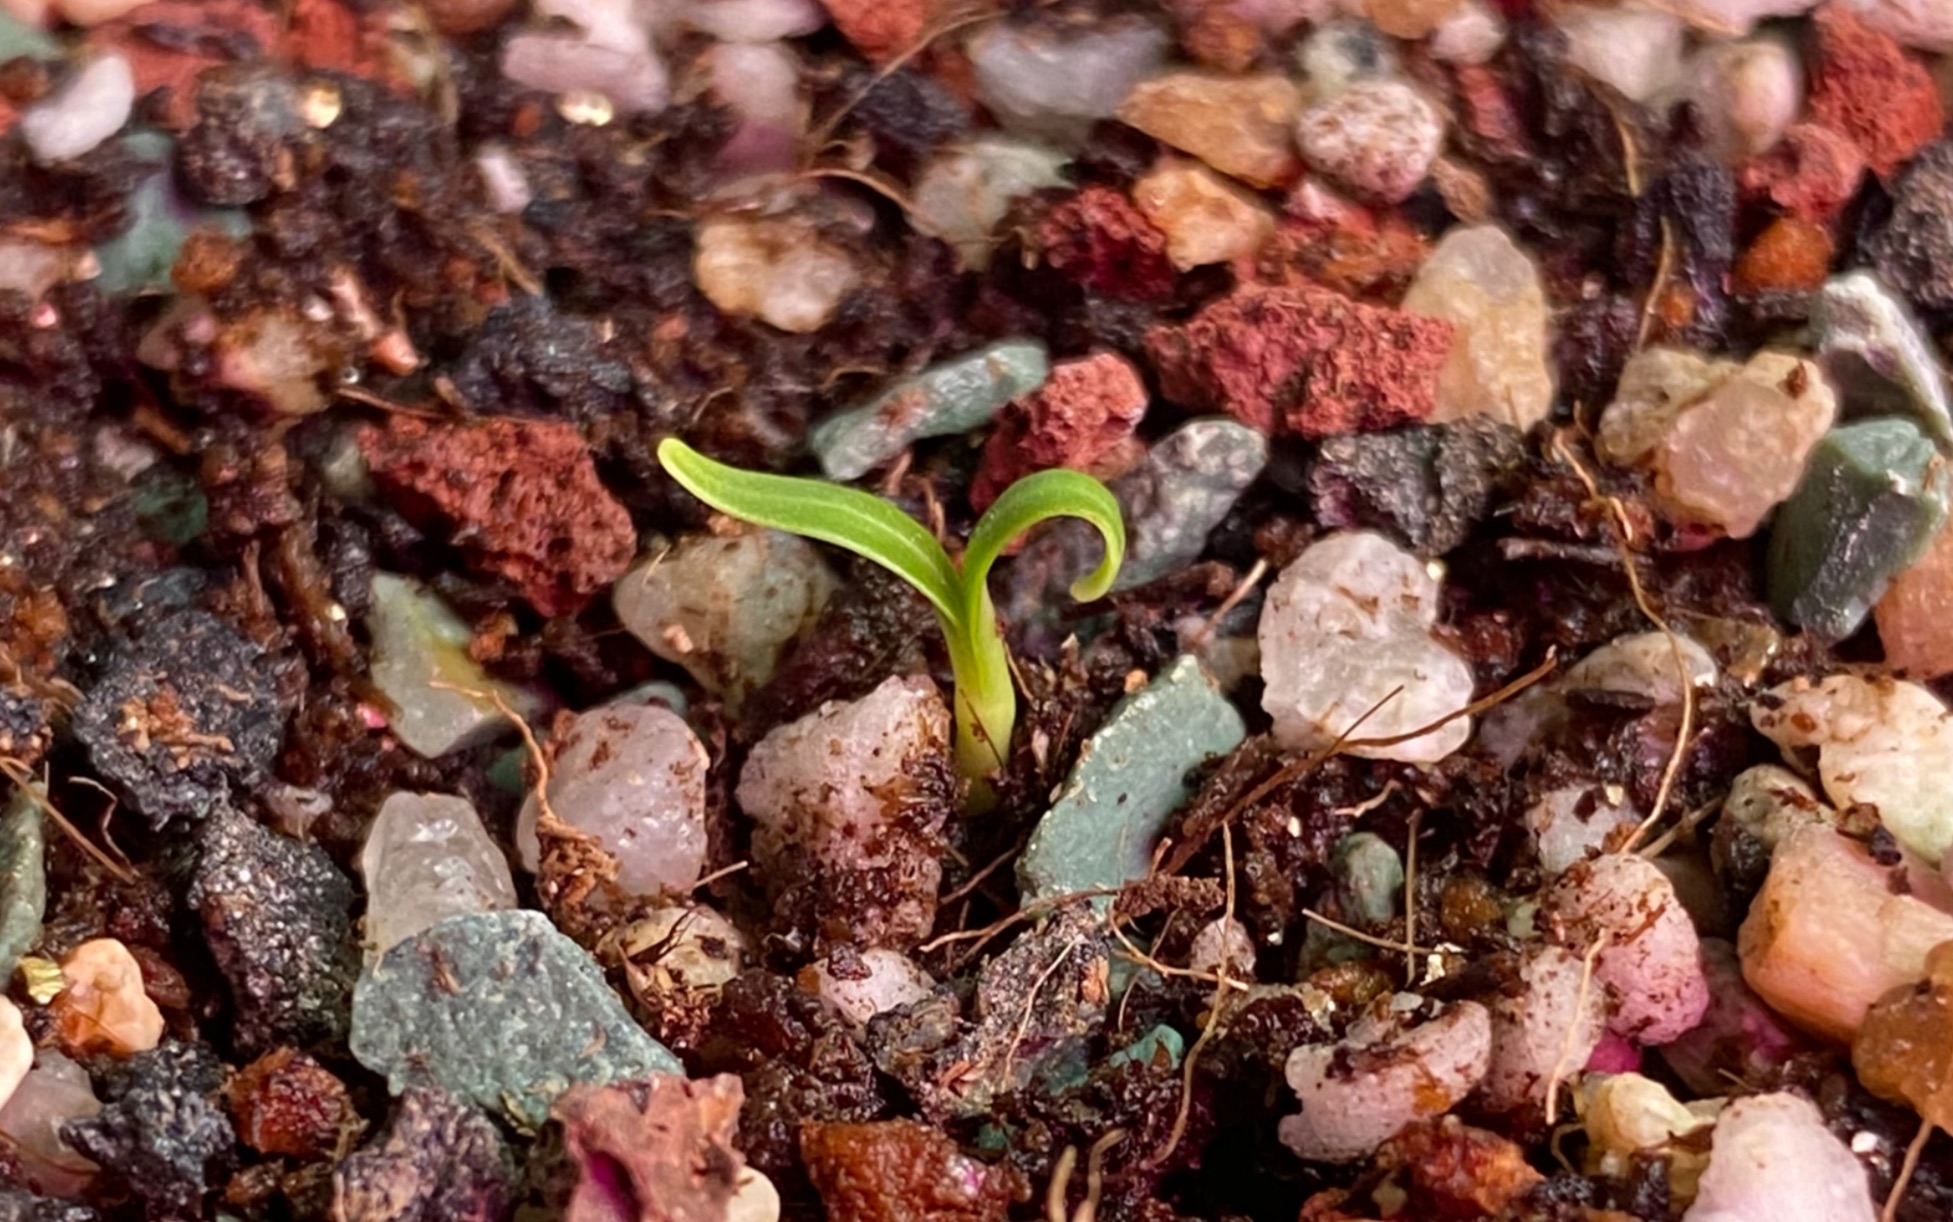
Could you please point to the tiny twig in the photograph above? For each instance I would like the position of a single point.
(17, 772)
(1410, 899)
(1554, 1079)
(1240, 591)
(1906, 1168)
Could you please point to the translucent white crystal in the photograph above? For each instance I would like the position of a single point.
(91, 107)
(1643, 664)
(725, 606)
(1880, 742)
(1573, 821)
(877, 980)
(427, 857)
(1480, 281)
(1655, 385)
(967, 187)
(830, 782)
(1635, 47)
(1055, 86)
(1740, 450)
(778, 269)
(16, 1050)
(633, 776)
(419, 643)
(1552, 1021)
(1775, 1160)
(1345, 626)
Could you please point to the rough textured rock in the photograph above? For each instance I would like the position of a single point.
(1872, 499)
(1395, 1066)
(1543, 1021)
(778, 270)
(1240, 125)
(1178, 494)
(879, 29)
(439, 1161)
(1914, 248)
(1775, 1158)
(1741, 449)
(1812, 174)
(418, 642)
(1650, 962)
(1427, 487)
(1865, 85)
(426, 858)
(895, 1170)
(1084, 413)
(1098, 239)
(520, 497)
(1481, 282)
(287, 1103)
(657, 1149)
(953, 397)
(1377, 137)
(166, 723)
(1206, 218)
(1879, 356)
(1833, 931)
(277, 916)
(1913, 615)
(1303, 360)
(1130, 778)
(1881, 744)
(1791, 256)
(850, 803)
(162, 1128)
(501, 1010)
(103, 1009)
(1343, 627)
(633, 776)
(52, 1093)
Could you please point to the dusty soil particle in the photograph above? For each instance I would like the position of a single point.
(1812, 173)
(902, 1171)
(1098, 240)
(287, 1103)
(161, 1128)
(520, 497)
(440, 1161)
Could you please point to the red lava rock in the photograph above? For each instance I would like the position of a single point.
(1866, 86)
(328, 35)
(1303, 360)
(1085, 409)
(902, 1171)
(1791, 256)
(521, 497)
(879, 29)
(287, 1103)
(1812, 173)
(659, 1150)
(1100, 241)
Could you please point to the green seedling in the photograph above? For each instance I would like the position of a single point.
(986, 700)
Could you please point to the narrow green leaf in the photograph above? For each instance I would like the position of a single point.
(1057, 493)
(833, 513)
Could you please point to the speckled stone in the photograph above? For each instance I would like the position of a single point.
(23, 879)
(501, 1010)
(1130, 777)
(1872, 500)
(953, 397)
(1878, 356)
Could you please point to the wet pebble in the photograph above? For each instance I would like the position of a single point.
(89, 108)
(953, 397)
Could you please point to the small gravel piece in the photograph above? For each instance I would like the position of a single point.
(1242, 126)
(1481, 282)
(439, 1161)
(92, 106)
(1427, 487)
(1344, 627)
(1053, 86)
(778, 270)
(1544, 1021)
(953, 397)
(1650, 964)
(16, 1051)
(1206, 218)
(277, 916)
(1880, 358)
(419, 642)
(23, 878)
(1376, 137)
(966, 189)
(104, 1009)
(500, 1009)
(426, 858)
(182, 716)
(1394, 1067)
(162, 1128)
(1775, 1160)
(866, 983)
(633, 776)
(1130, 778)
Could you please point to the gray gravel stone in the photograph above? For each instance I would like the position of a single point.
(23, 879)
(499, 1009)
(953, 397)
(1877, 355)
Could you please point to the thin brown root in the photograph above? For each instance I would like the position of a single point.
(1055, 1193)
(1350, 931)
(950, 24)
(1410, 899)
(1554, 1079)
(1207, 1029)
(1240, 591)
(1031, 1000)
(17, 772)
(724, 872)
(976, 880)
(1088, 1210)
(1623, 534)
(887, 190)
(1911, 1164)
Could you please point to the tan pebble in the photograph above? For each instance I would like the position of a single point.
(104, 1007)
